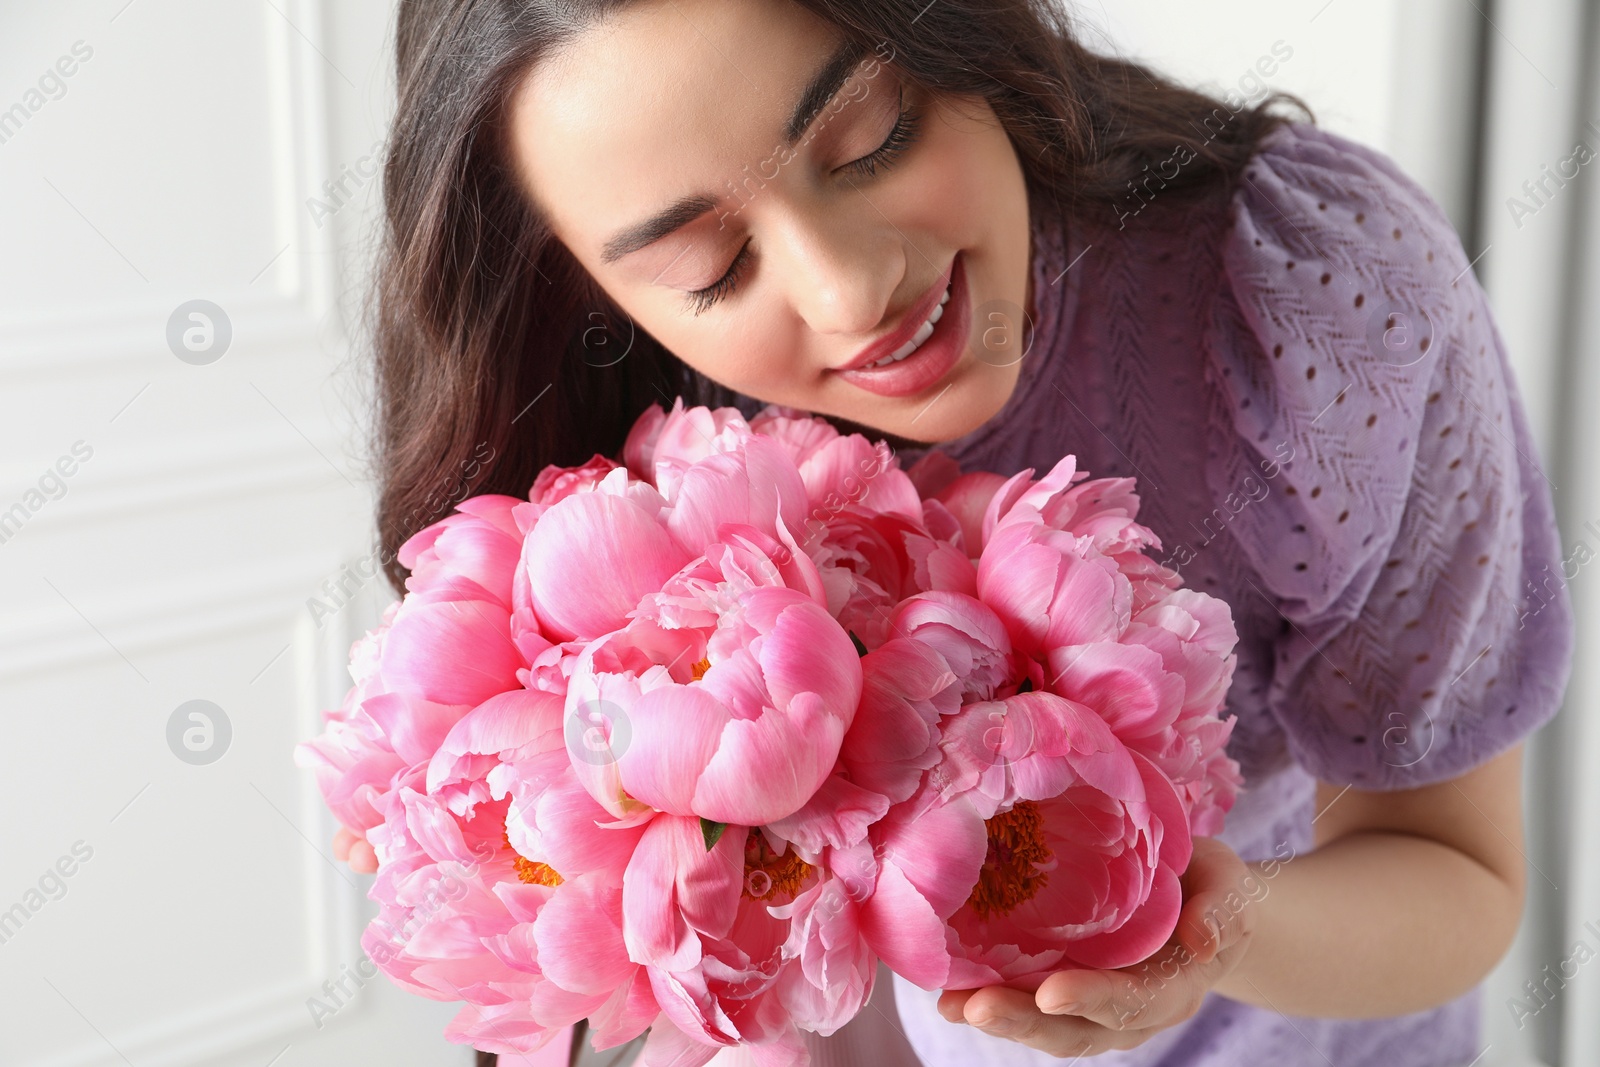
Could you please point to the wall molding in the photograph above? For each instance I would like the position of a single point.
(179, 478)
(51, 635)
(278, 1010)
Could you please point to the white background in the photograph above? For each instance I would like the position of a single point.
(177, 162)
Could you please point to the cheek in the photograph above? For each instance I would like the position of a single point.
(752, 352)
(952, 186)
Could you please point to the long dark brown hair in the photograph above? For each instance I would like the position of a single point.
(496, 352)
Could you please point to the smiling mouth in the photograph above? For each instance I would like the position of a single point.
(914, 339)
(924, 332)
(929, 353)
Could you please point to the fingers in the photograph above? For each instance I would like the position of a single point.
(952, 1003)
(356, 850)
(1083, 1012)
(1161, 992)
(1012, 1014)
(1216, 903)
(363, 860)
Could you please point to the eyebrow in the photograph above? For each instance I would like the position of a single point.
(824, 84)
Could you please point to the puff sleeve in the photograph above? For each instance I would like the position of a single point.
(1410, 547)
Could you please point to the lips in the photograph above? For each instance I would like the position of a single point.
(934, 358)
(919, 313)
(923, 333)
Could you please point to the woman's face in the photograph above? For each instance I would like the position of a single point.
(777, 231)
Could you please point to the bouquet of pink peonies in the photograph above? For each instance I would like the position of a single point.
(689, 742)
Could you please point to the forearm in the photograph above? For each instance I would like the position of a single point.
(1371, 924)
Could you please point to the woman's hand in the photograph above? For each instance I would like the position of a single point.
(1084, 1012)
(351, 846)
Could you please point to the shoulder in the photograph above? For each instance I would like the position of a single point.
(1409, 513)
(1348, 325)
(1305, 168)
(1319, 214)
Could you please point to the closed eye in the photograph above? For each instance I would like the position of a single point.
(907, 125)
(702, 299)
(904, 133)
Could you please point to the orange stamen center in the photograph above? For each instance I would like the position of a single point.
(700, 668)
(535, 873)
(532, 872)
(769, 876)
(1010, 874)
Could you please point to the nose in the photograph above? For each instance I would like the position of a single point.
(842, 283)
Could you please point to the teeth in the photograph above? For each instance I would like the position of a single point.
(922, 334)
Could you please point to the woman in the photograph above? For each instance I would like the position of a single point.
(951, 225)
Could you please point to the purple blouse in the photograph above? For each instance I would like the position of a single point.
(1308, 385)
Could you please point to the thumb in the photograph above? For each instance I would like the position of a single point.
(1110, 998)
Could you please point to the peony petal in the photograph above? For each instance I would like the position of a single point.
(1147, 929)
(451, 652)
(579, 936)
(1017, 579)
(414, 727)
(999, 505)
(837, 816)
(591, 558)
(967, 498)
(807, 651)
(1127, 685)
(625, 1015)
(851, 469)
(903, 928)
(639, 450)
(503, 725)
(570, 836)
(675, 732)
(674, 890)
(667, 1046)
(933, 472)
(756, 486)
(765, 768)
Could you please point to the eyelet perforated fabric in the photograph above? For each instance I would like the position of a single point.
(1307, 382)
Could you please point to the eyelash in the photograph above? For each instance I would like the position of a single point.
(901, 137)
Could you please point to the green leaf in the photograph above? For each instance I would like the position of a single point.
(861, 649)
(712, 832)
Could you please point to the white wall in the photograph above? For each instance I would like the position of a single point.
(170, 157)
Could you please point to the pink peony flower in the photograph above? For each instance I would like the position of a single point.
(686, 742)
(840, 470)
(837, 470)
(947, 650)
(444, 648)
(352, 758)
(508, 895)
(557, 483)
(1096, 620)
(735, 699)
(661, 442)
(1038, 842)
(745, 943)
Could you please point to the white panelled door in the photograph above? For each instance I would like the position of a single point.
(185, 188)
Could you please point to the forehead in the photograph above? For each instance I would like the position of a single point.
(660, 100)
